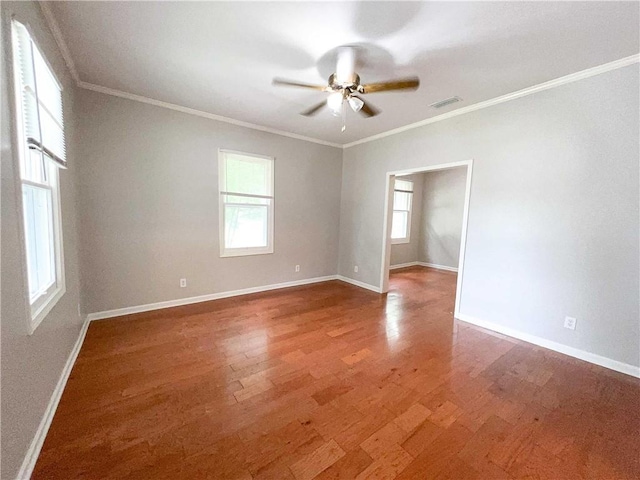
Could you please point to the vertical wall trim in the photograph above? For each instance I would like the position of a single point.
(463, 236)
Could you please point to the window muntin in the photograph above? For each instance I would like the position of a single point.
(246, 204)
(402, 203)
(41, 150)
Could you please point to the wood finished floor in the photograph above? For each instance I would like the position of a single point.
(331, 381)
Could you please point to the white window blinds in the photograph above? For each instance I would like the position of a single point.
(41, 95)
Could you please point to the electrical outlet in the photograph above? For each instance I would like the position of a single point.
(297, 268)
(355, 269)
(570, 323)
(183, 282)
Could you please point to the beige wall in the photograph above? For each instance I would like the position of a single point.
(436, 219)
(32, 364)
(149, 205)
(441, 221)
(554, 212)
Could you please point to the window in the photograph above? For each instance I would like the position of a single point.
(41, 150)
(401, 222)
(246, 204)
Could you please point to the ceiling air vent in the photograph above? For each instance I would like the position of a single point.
(445, 102)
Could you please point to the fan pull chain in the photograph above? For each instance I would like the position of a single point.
(344, 117)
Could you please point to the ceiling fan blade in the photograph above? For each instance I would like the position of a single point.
(291, 83)
(367, 109)
(401, 84)
(313, 110)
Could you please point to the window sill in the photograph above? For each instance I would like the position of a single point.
(245, 252)
(43, 310)
(399, 241)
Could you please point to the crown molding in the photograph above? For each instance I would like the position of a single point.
(50, 19)
(590, 72)
(52, 23)
(200, 113)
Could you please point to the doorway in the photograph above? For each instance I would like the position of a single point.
(402, 213)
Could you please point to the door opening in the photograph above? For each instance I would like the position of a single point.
(403, 204)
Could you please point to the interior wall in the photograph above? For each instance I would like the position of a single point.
(436, 219)
(32, 364)
(149, 205)
(408, 252)
(553, 226)
(443, 196)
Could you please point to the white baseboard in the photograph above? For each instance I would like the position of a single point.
(423, 264)
(29, 462)
(360, 284)
(555, 346)
(118, 312)
(403, 265)
(439, 267)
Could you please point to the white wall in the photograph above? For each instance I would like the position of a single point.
(149, 205)
(554, 211)
(32, 364)
(408, 252)
(441, 219)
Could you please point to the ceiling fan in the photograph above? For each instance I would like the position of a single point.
(344, 87)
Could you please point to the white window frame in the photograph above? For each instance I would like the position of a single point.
(407, 238)
(40, 305)
(240, 252)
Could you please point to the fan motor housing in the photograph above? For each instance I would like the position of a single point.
(353, 85)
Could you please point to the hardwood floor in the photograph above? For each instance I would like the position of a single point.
(331, 381)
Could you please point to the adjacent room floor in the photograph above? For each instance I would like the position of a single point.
(332, 381)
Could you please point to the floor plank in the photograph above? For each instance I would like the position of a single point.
(331, 381)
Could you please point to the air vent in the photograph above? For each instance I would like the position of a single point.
(445, 102)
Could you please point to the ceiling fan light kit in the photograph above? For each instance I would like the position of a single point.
(334, 102)
(356, 103)
(344, 86)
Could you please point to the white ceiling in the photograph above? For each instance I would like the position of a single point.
(220, 57)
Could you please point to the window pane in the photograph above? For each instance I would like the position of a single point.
(245, 174)
(246, 226)
(399, 225)
(33, 166)
(38, 215)
(404, 185)
(401, 200)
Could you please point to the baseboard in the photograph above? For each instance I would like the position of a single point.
(360, 284)
(29, 462)
(423, 264)
(439, 267)
(118, 312)
(555, 346)
(403, 265)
